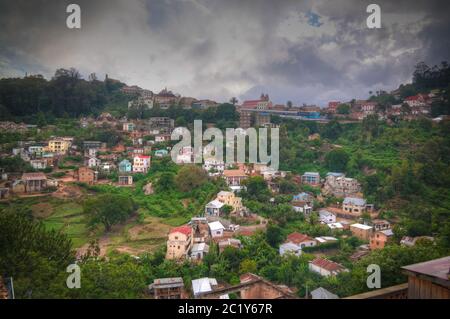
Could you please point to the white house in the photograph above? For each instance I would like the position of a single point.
(38, 164)
(325, 239)
(213, 167)
(199, 251)
(338, 226)
(213, 208)
(290, 248)
(91, 152)
(325, 267)
(203, 285)
(162, 138)
(93, 162)
(326, 217)
(302, 207)
(216, 228)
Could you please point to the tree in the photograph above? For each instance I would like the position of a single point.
(332, 130)
(289, 104)
(32, 255)
(233, 100)
(343, 109)
(247, 265)
(165, 183)
(336, 160)
(190, 177)
(256, 188)
(108, 209)
(274, 235)
(116, 278)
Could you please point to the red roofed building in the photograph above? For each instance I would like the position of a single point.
(234, 177)
(325, 267)
(179, 242)
(262, 104)
(332, 106)
(301, 240)
(416, 100)
(141, 163)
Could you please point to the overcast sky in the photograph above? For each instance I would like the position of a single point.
(303, 51)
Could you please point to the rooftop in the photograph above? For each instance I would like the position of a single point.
(202, 285)
(33, 176)
(355, 201)
(437, 268)
(361, 226)
(322, 293)
(298, 238)
(311, 174)
(215, 203)
(216, 226)
(168, 282)
(234, 173)
(327, 264)
(182, 229)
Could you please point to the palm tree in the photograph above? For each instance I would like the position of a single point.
(289, 104)
(233, 100)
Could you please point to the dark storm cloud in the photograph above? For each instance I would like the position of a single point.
(304, 51)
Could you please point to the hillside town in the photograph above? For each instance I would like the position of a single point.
(60, 166)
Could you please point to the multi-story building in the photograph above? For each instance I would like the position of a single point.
(361, 231)
(179, 242)
(38, 163)
(234, 177)
(380, 238)
(162, 124)
(338, 185)
(34, 182)
(141, 163)
(230, 199)
(311, 178)
(128, 127)
(353, 205)
(59, 146)
(87, 175)
(125, 166)
(245, 118)
(168, 288)
(140, 102)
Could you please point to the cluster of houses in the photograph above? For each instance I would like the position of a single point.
(250, 286)
(192, 241)
(97, 159)
(146, 99)
(409, 108)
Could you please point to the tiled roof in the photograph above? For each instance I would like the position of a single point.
(234, 173)
(182, 229)
(327, 264)
(298, 238)
(33, 176)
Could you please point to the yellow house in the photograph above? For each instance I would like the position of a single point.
(59, 146)
(228, 198)
(179, 242)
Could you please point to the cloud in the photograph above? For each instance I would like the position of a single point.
(306, 52)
